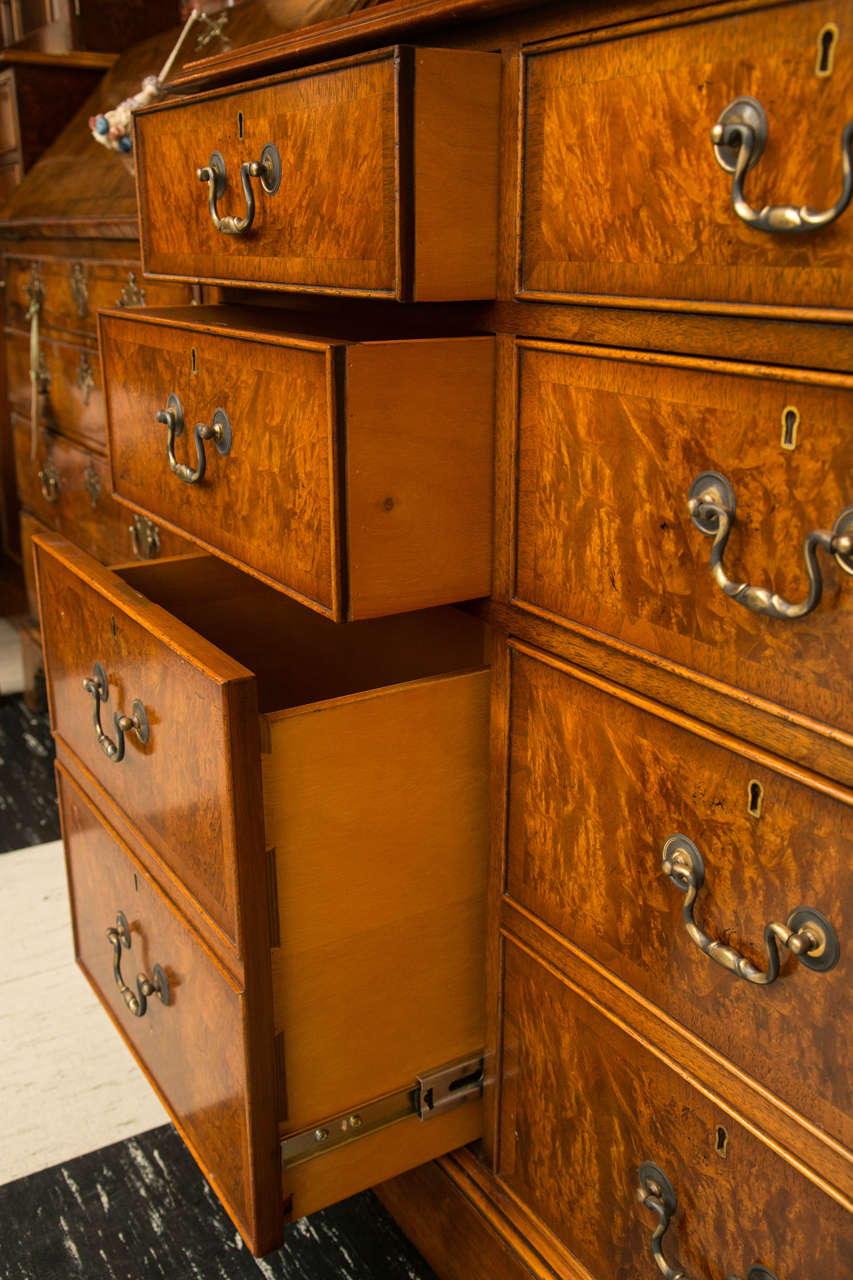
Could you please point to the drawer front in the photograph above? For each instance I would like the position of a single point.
(74, 290)
(585, 1104)
(181, 789)
(597, 785)
(610, 209)
(195, 1048)
(357, 478)
(608, 449)
(348, 213)
(269, 502)
(71, 375)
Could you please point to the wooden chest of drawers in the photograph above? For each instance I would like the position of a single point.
(667, 1010)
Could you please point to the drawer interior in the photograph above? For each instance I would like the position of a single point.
(298, 656)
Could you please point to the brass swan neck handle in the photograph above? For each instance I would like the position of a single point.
(268, 169)
(219, 431)
(97, 686)
(739, 138)
(137, 1002)
(806, 933)
(711, 506)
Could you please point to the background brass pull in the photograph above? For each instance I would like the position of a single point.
(711, 505)
(49, 481)
(806, 933)
(656, 1192)
(145, 986)
(739, 137)
(219, 431)
(268, 169)
(97, 686)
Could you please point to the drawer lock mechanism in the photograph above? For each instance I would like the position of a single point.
(433, 1093)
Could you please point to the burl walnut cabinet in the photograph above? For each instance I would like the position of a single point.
(544, 312)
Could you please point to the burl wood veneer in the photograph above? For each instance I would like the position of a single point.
(614, 208)
(389, 178)
(609, 444)
(359, 474)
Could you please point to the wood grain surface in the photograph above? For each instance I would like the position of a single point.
(585, 1102)
(366, 798)
(195, 1049)
(609, 208)
(343, 220)
(596, 786)
(608, 446)
(397, 435)
(178, 790)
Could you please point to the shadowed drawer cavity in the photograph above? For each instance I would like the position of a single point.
(354, 475)
(375, 176)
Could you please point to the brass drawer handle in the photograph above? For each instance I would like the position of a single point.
(268, 169)
(739, 137)
(806, 933)
(711, 506)
(97, 686)
(656, 1192)
(219, 431)
(49, 481)
(145, 986)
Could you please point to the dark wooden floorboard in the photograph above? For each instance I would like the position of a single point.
(28, 809)
(140, 1210)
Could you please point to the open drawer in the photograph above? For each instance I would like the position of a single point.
(310, 879)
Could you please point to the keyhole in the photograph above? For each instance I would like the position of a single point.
(826, 42)
(114, 628)
(194, 361)
(756, 798)
(136, 882)
(790, 423)
(721, 1142)
(240, 125)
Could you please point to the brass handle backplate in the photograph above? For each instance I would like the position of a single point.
(137, 1002)
(739, 138)
(711, 506)
(49, 481)
(806, 933)
(268, 169)
(97, 686)
(656, 1192)
(219, 431)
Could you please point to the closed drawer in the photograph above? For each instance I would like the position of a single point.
(72, 396)
(356, 476)
(613, 211)
(72, 291)
(68, 488)
(585, 1104)
(197, 1049)
(385, 182)
(609, 446)
(331, 850)
(599, 780)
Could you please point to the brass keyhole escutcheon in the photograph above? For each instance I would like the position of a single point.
(790, 424)
(827, 42)
(756, 799)
(721, 1142)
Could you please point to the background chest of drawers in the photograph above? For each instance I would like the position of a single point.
(643, 1102)
(70, 246)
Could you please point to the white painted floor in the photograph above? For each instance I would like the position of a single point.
(67, 1083)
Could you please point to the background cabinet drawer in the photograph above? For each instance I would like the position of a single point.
(599, 779)
(647, 213)
(71, 376)
(388, 182)
(609, 447)
(585, 1103)
(357, 477)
